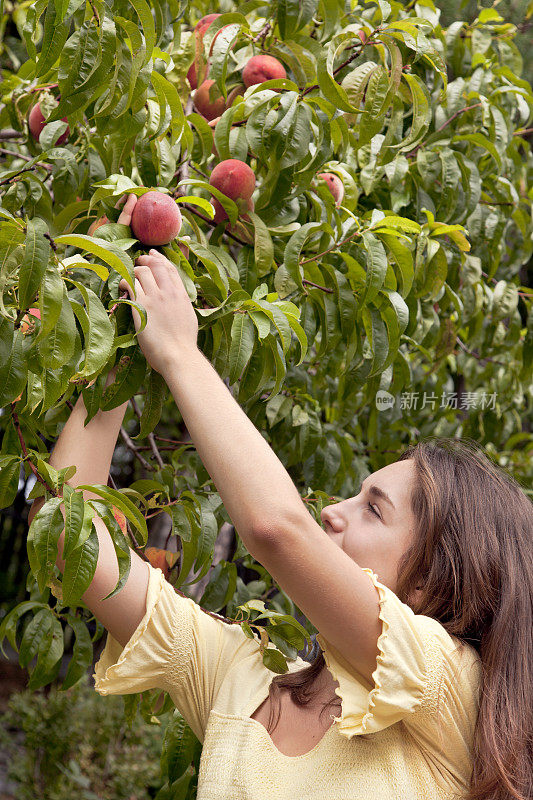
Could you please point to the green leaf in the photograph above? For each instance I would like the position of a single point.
(402, 258)
(242, 345)
(376, 267)
(82, 652)
(325, 66)
(274, 660)
(80, 567)
(111, 254)
(9, 479)
(35, 260)
(144, 12)
(421, 112)
(57, 347)
(263, 246)
(294, 246)
(156, 391)
(8, 626)
(98, 331)
(378, 339)
(119, 499)
(222, 47)
(42, 541)
(129, 378)
(78, 522)
(178, 748)
(54, 37)
(50, 653)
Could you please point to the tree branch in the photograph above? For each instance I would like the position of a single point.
(151, 439)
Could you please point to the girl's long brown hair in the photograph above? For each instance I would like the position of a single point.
(473, 556)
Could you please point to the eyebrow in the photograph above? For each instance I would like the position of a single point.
(377, 492)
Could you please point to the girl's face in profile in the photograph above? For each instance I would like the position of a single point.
(376, 526)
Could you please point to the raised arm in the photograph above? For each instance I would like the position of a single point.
(91, 449)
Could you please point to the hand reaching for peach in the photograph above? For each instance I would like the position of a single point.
(172, 325)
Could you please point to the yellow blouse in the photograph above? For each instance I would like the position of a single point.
(420, 711)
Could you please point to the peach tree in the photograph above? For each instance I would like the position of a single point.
(367, 289)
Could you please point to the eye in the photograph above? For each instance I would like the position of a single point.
(373, 511)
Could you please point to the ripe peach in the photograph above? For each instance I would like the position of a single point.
(209, 104)
(335, 185)
(156, 219)
(97, 224)
(36, 123)
(192, 77)
(200, 28)
(262, 68)
(203, 24)
(234, 178)
(27, 324)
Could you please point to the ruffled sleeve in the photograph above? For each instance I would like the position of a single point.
(424, 678)
(178, 647)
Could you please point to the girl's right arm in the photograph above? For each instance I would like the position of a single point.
(91, 449)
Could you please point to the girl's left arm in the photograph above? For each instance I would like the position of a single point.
(257, 491)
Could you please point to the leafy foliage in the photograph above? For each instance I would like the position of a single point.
(50, 755)
(414, 286)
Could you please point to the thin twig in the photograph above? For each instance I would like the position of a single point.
(316, 285)
(263, 32)
(16, 423)
(444, 124)
(14, 178)
(133, 447)
(335, 246)
(476, 355)
(9, 133)
(95, 13)
(338, 69)
(151, 439)
(212, 223)
(24, 158)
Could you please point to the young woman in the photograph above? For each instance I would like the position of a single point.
(420, 586)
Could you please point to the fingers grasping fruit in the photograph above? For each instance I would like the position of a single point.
(172, 325)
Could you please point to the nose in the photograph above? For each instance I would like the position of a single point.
(332, 520)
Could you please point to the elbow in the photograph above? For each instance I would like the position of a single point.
(267, 536)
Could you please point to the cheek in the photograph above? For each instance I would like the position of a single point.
(361, 542)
